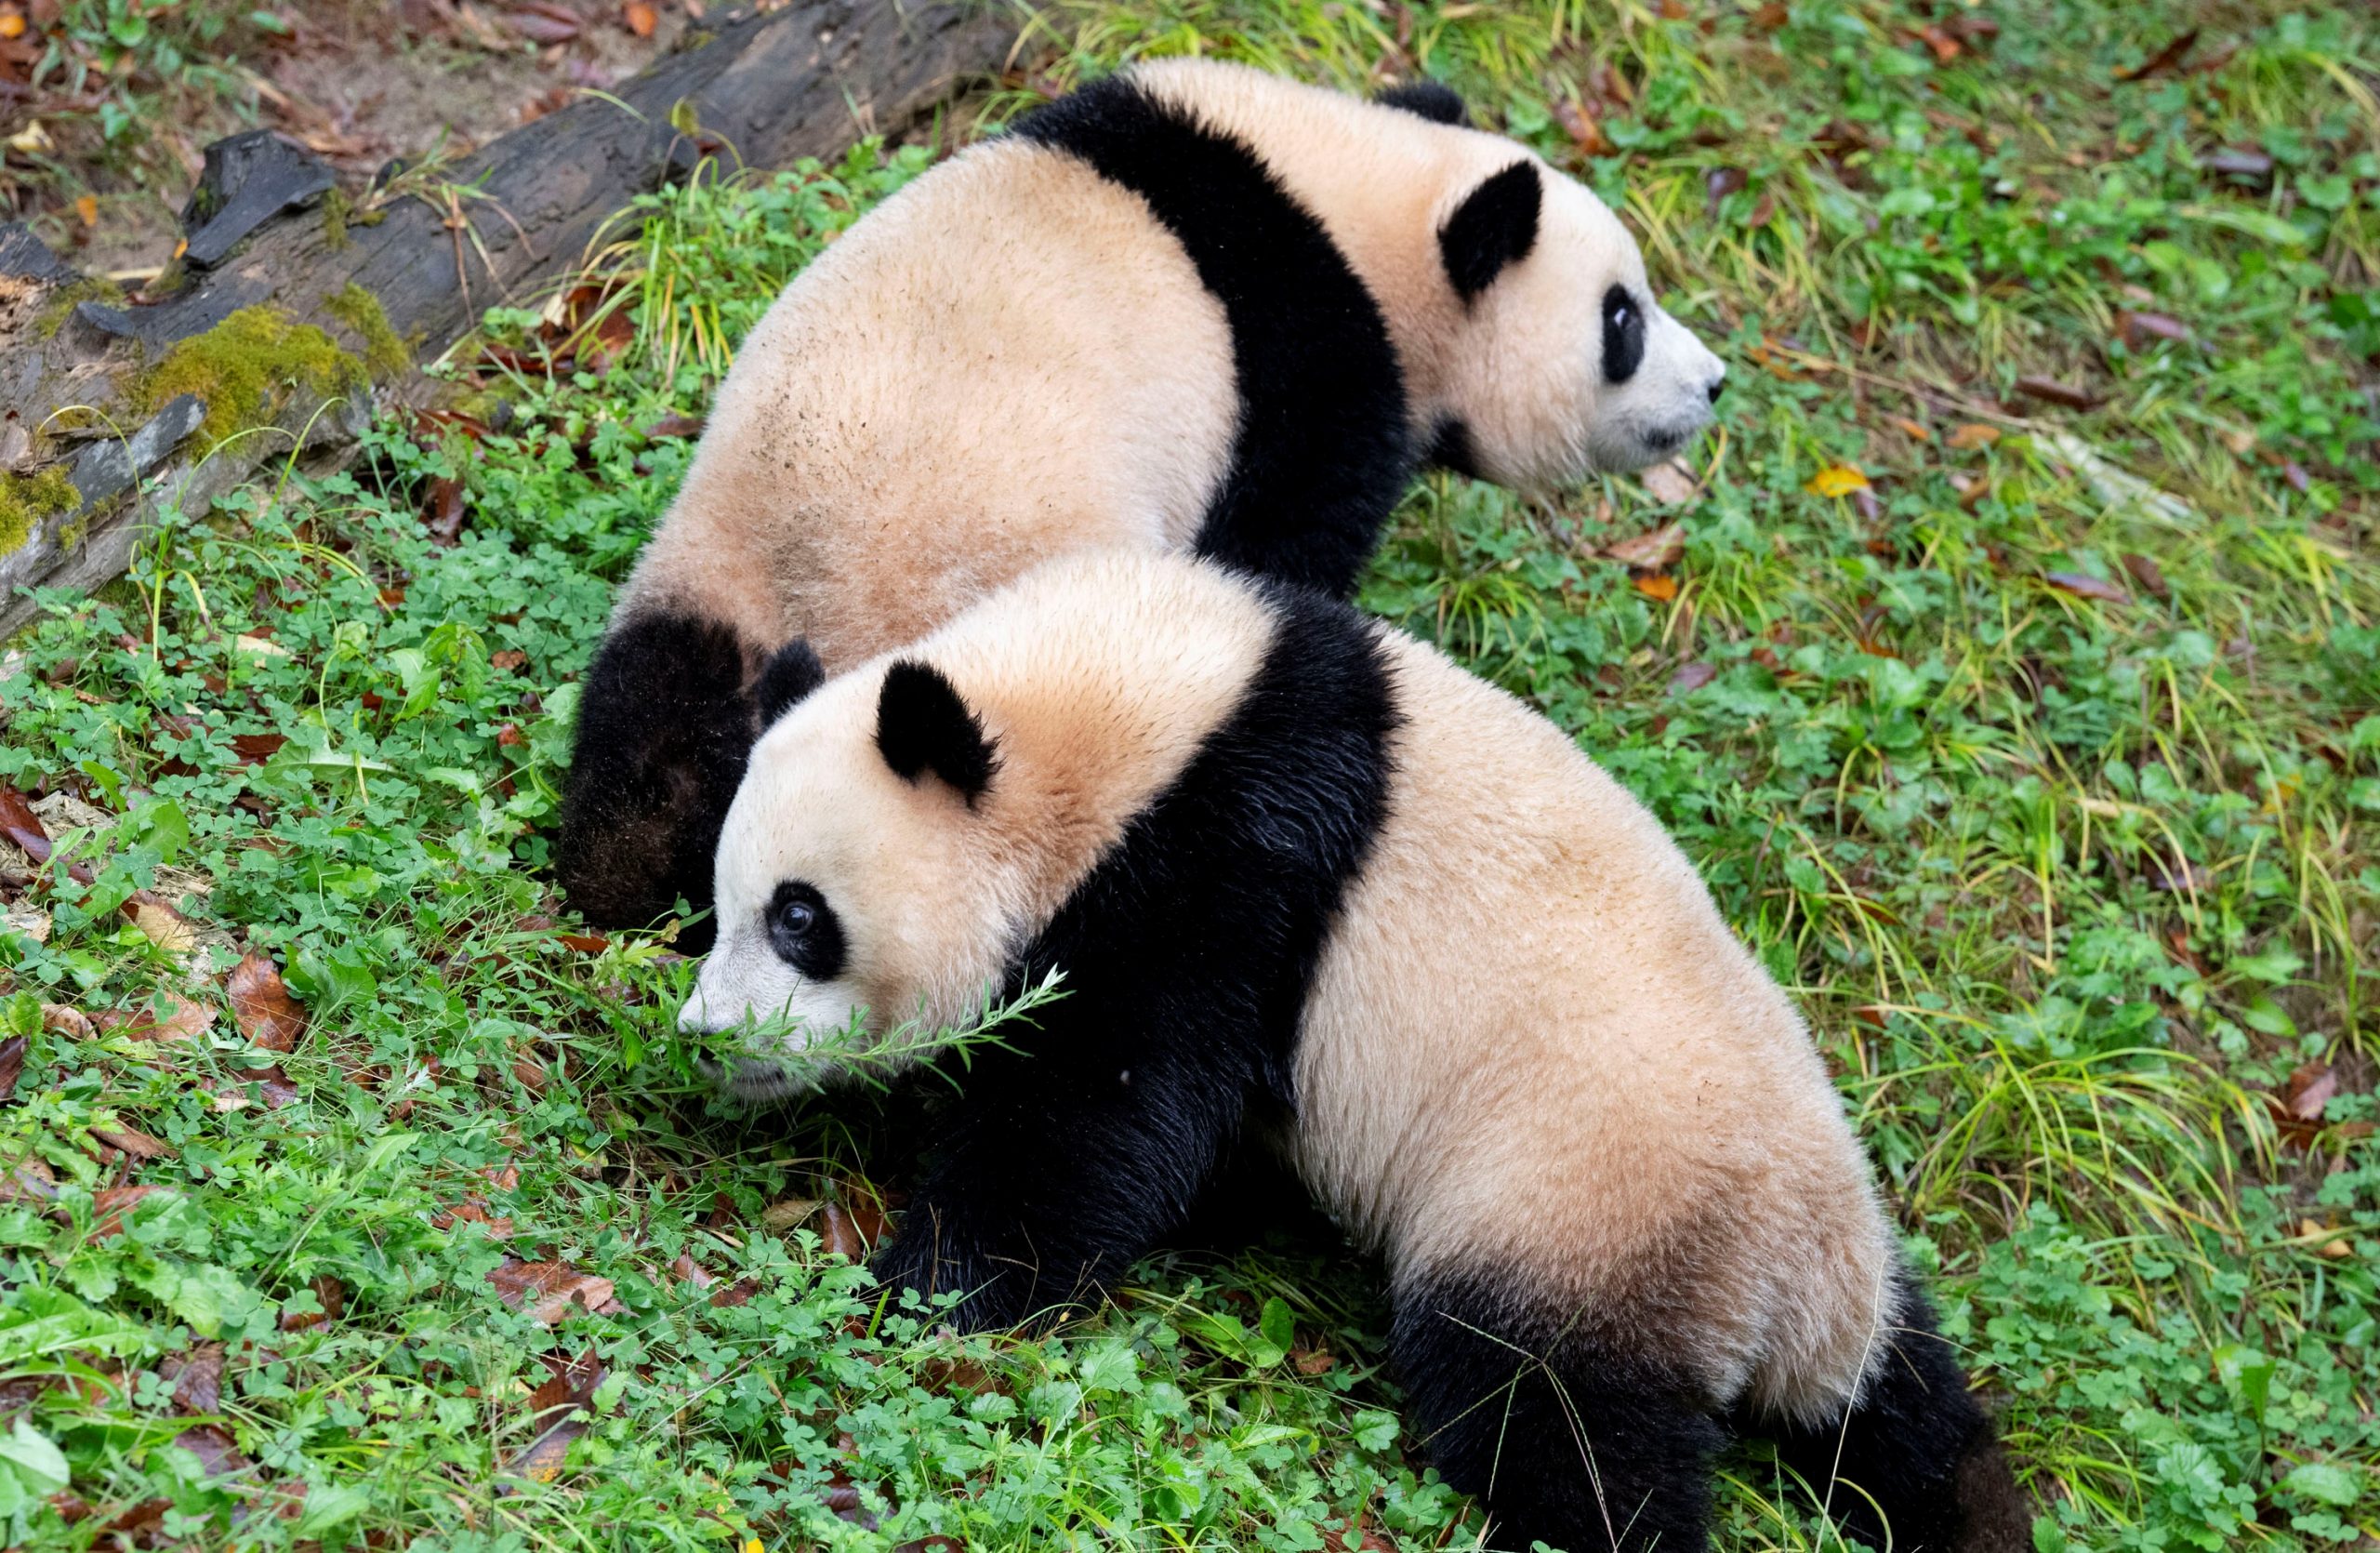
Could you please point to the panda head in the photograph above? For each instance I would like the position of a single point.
(855, 874)
(1557, 362)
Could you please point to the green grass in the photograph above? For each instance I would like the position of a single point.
(2070, 886)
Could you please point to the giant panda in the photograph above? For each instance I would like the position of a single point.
(1190, 306)
(1312, 886)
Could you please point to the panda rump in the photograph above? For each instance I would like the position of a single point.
(1308, 881)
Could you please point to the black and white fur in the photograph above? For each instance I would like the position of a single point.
(1310, 883)
(1190, 308)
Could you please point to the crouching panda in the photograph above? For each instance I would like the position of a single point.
(1310, 884)
(1192, 307)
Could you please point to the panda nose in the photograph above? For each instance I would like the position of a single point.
(1717, 385)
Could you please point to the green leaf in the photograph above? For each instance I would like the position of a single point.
(1375, 1431)
(39, 1464)
(2247, 1374)
(2327, 1482)
(1279, 1325)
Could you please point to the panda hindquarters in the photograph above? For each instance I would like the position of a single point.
(1622, 1210)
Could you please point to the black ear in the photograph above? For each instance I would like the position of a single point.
(922, 725)
(792, 675)
(1428, 98)
(1496, 226)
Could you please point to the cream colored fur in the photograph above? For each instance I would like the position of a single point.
(1095, 708)
(1005, 360)
(1532, 1043)
(1011, 359)
(1522, 365)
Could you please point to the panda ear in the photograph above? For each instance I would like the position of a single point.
(1428, 98)
(1495, 225)
(788, 676)
(922, 725)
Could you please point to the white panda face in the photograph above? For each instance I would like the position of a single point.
(1565, 364)
(848, 892)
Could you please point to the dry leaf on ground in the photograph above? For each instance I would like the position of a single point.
(1670, 484)
(1663, 547)
(261, 1005)
(550, 1291)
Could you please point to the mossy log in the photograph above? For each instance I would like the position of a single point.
(295, 303)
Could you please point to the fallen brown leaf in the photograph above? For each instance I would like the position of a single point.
(1970, 435)
(73, 1023)
(1691, 677)
(2238, 161)
(1670, 484)
(789, 1214)
(837, 1236)
(12, 1066)
(2138, 329)
(1663, 547)
(1718, 183)
(445, 519)
(215, 1448)
(1944, 45)
(20, 825)
(558, 1408)
(160, 924)
(675, 425)
(111, 1204)
(2147, 573)
(198, 1379)
(473, 1210)
(586, 943)
(1658, 586)
(261, 1007)
(28, 1181)
(1585, 132)
(330, 1294)
(2164, 61)
(2176, 877)
(2084, 585)
(544, 23)
(2055, 392)
(550, 1291)
(133, 1141)
(256, 748)
(170, 1019)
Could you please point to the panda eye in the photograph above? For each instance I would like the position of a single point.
(1623, 335)
(804, 931)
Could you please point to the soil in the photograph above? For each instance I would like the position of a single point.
(360, 82)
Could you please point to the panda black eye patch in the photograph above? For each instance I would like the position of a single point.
(1623, 335)
(804, 932)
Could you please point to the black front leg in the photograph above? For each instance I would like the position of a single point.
(665, 726)
(1055, 1181)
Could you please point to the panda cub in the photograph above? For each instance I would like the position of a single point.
(1193, 307)
(1312, 885)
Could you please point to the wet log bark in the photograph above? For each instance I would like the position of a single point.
(432, 247)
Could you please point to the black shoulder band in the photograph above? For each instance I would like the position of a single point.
(1323, 451)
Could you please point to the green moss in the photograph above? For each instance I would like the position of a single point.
(243, 369)
(62, 302)
(371, 218)
(384, 352)
(26, 500)
(336, 212)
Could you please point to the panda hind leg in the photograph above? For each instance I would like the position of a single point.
(1569, 1436)
(665, 726)
(1913, 1464)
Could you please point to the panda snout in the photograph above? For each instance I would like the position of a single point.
(1717, 385)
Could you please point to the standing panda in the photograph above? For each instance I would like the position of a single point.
(1190, 308)
(1310, 884)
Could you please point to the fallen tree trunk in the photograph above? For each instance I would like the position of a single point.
(296, 308)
